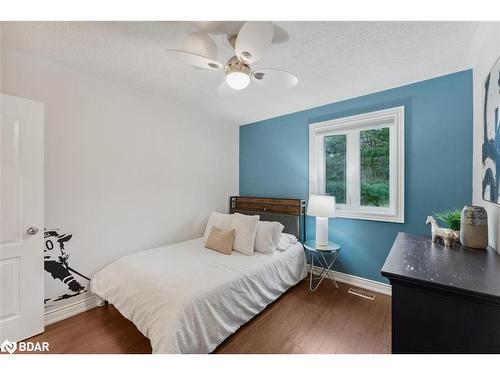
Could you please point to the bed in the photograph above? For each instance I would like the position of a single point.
(188, 299)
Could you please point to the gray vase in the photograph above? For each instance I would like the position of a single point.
(474, 227)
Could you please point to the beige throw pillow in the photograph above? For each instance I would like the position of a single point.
(221, 240)
(222, 221)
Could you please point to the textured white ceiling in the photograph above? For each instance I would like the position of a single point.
(333, 60)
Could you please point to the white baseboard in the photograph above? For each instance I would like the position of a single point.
(71, 309)
(360, 282)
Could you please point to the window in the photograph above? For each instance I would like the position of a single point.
(360, 161)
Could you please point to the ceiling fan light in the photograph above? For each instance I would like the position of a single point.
(237, 80)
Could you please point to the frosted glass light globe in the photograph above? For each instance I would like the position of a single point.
(237, 80)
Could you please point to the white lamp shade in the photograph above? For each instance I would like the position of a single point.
(321, 206)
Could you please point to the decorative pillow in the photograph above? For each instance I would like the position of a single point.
(286, 240)
(222, 221)
(268, 236)
(246, 229)
(220, 240)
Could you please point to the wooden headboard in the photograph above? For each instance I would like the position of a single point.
(287, 211)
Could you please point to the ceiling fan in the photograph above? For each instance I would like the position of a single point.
(250, 42)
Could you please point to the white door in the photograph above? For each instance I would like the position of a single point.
(21, 218)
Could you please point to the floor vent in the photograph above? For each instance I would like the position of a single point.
(362, 293)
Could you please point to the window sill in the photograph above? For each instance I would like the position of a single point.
(372, 216)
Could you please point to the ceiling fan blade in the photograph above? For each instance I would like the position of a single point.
(208, 26)
(253, 40)
(218, 27)
(280, 35)
(275, 77)
(200, 43)
(225, 90)
(194, 59)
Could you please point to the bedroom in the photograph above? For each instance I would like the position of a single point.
(271, 200)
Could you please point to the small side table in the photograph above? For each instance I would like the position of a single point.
(318, 253)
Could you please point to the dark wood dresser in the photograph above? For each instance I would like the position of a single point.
(444, 300)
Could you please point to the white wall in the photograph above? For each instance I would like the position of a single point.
(125, 171)
(485, 51)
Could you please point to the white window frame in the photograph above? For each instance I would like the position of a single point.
(393, 118)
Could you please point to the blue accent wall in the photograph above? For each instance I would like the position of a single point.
(438, 163)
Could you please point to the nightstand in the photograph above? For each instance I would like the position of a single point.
(325, 257)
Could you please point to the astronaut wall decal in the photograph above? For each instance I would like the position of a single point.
(56, 263)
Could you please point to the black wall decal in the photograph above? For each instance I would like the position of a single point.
(56, 263)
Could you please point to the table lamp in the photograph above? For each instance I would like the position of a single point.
(323, 207)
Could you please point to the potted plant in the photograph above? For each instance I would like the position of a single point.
(450, 218)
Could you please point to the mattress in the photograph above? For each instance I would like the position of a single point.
(188, 299)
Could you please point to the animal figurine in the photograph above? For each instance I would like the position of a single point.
(448, 236)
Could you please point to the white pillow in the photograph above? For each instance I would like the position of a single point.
(245, 227)
(221, 221)
(268, 236)
(286, 240)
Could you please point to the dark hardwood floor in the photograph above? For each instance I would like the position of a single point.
(300, 321)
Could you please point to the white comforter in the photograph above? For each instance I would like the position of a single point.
(188, 299)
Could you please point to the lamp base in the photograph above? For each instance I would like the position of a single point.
(322, 231)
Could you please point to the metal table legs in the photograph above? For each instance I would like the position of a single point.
(326, 267)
